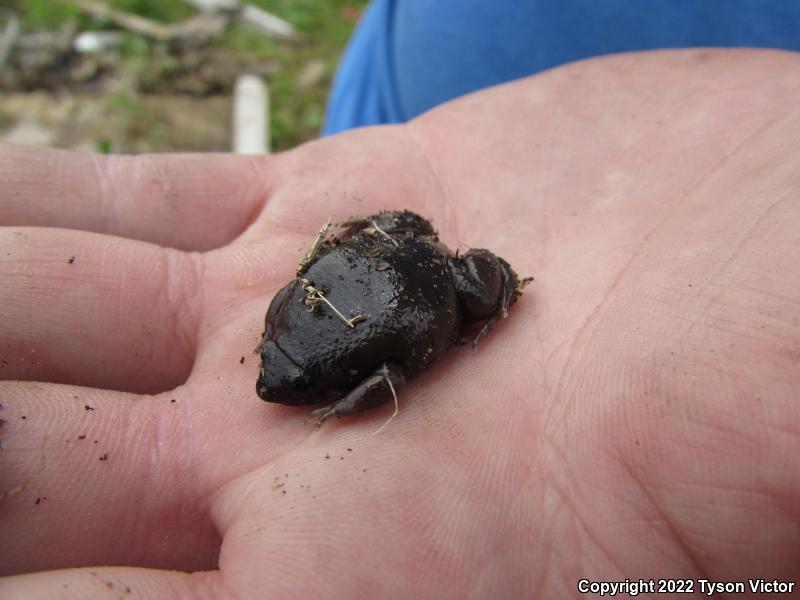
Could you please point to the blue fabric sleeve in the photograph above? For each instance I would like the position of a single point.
(407, 56)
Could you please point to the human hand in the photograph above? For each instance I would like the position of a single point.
(636, 415)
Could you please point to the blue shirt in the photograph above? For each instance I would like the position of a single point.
(407, 56)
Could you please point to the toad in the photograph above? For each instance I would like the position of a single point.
(373, 303)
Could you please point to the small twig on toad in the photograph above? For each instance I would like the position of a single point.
(306, 260)
(394, 395)
(384, 234)
(314, 297)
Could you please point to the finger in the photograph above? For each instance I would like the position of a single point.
(192, 202)
(98, 477)
(96, 310)
(114, 582)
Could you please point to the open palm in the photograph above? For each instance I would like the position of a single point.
(635, 417)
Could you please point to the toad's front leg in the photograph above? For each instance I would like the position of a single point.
(379, 387)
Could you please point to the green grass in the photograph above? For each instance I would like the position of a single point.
(297, 111)
(297, 114)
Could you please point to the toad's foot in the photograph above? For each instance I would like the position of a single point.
(379, 387)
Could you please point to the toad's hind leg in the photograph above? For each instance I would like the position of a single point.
(486, 286)
(380, 386)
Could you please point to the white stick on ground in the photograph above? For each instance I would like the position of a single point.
(250, 116)
(215, 5)
(8, 38)
(267, 22)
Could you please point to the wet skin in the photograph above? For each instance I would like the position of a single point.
(404, 299)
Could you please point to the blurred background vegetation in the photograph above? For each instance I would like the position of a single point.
(143, 93)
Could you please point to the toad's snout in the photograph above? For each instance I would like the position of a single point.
(281, 380)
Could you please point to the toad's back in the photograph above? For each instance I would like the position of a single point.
(403, 291)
